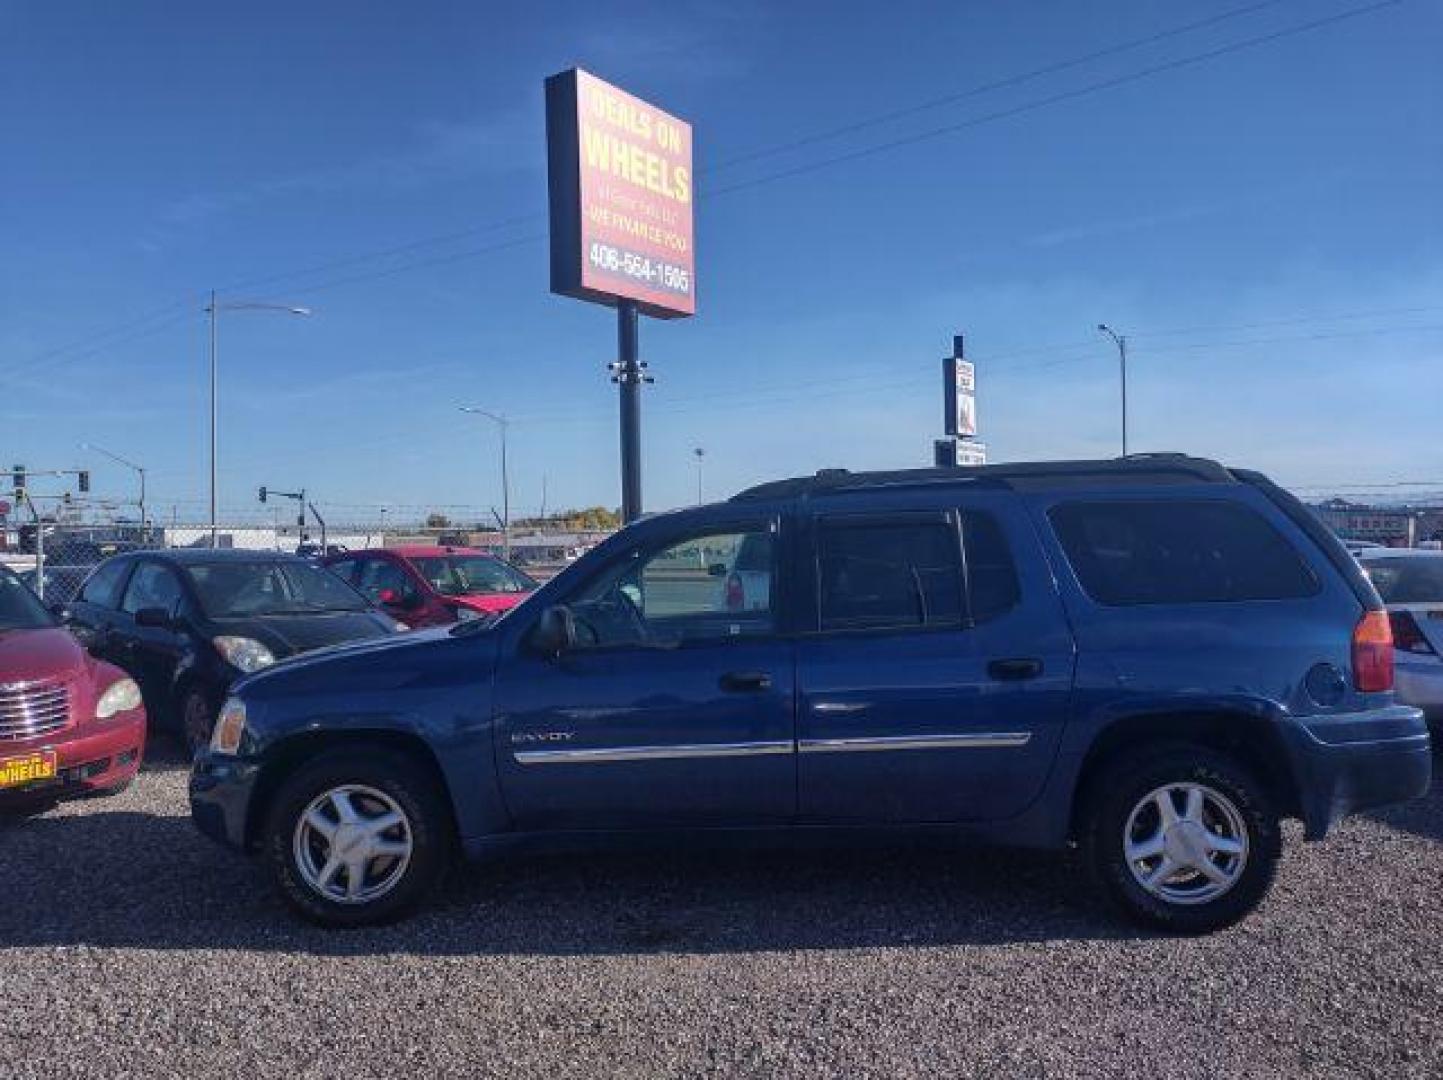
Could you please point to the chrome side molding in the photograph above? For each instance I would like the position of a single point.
(677, 751)
(981, 740)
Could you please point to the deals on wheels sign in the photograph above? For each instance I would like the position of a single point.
(620, 181)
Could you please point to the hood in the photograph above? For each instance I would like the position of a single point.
(489, 603)
(381, 663)
(287, 635)
(27, 655)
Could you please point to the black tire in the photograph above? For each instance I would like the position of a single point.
(13, 811)
(1125, 787)
(409, 786)
(197, 716)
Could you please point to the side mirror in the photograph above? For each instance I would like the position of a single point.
(155, 617)
(717, 570)
(555, 632)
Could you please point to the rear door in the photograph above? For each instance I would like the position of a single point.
(935, 682)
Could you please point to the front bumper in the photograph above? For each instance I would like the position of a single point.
(1347, 763)
(221, 789)
(96, 756)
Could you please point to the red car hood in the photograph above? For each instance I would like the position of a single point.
(28, 655)
(490, 603)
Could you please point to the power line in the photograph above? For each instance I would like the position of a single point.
(807, 140)
(979, 90)
(949, 129)
(1052, 99)
(860, 153)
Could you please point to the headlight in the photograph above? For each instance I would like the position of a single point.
(122, 696)
(248, 654)
(230, 725)
(465, 614)
(397, 625)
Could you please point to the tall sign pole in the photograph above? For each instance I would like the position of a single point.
(959, 412)
(629, 375)
(619, 176)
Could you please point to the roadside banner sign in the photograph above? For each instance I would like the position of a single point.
(620, 183)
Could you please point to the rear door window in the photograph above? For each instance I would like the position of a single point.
(992, 587)
(1178, 551)
(881, 574)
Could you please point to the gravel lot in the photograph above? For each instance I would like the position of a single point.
(133, 947)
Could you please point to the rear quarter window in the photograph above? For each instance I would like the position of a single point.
(1178, 551)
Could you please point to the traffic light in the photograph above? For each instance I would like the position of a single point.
(84, 477)
(263, 493)
(18, 476)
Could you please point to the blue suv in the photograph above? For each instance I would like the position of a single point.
(1155, 659)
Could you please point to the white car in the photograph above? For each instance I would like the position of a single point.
(1410, 581)
(747, 579)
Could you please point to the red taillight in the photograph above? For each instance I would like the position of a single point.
(1373, 653)
(1406, 634)
(736, 596)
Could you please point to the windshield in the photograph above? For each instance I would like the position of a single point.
(233, 589)
(1416, 580)
(467, 575)
(19, 607)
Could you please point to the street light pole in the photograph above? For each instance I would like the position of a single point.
(1121, 342)
(129, 465)
(213, 309)
(500, 420)
(700, 454)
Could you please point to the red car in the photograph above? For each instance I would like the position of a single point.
(70, 725)
(432, 586)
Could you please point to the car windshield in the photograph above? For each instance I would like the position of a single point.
(230, 589)
(467, 575)
(1415, 580)
(19, 607)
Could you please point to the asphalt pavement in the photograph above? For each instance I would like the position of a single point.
(131, 946)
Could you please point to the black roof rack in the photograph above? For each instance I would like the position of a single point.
(1147, 468)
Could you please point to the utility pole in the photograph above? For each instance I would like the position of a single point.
(1121, 342)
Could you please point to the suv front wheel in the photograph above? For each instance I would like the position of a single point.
(357, 837)
(1182, 838)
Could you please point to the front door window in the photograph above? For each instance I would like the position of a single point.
(708, 587)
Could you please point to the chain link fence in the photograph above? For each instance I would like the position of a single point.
(55, 558)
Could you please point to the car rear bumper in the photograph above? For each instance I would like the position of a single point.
(1348, 763)
(1420, 683)
(101, 754)
(220, 797)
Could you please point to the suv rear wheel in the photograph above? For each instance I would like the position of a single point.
(357, 837)
(1182, 838)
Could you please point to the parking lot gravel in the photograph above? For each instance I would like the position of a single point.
(133, 947)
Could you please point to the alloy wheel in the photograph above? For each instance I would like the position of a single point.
(1185, 843)
(352, 844)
